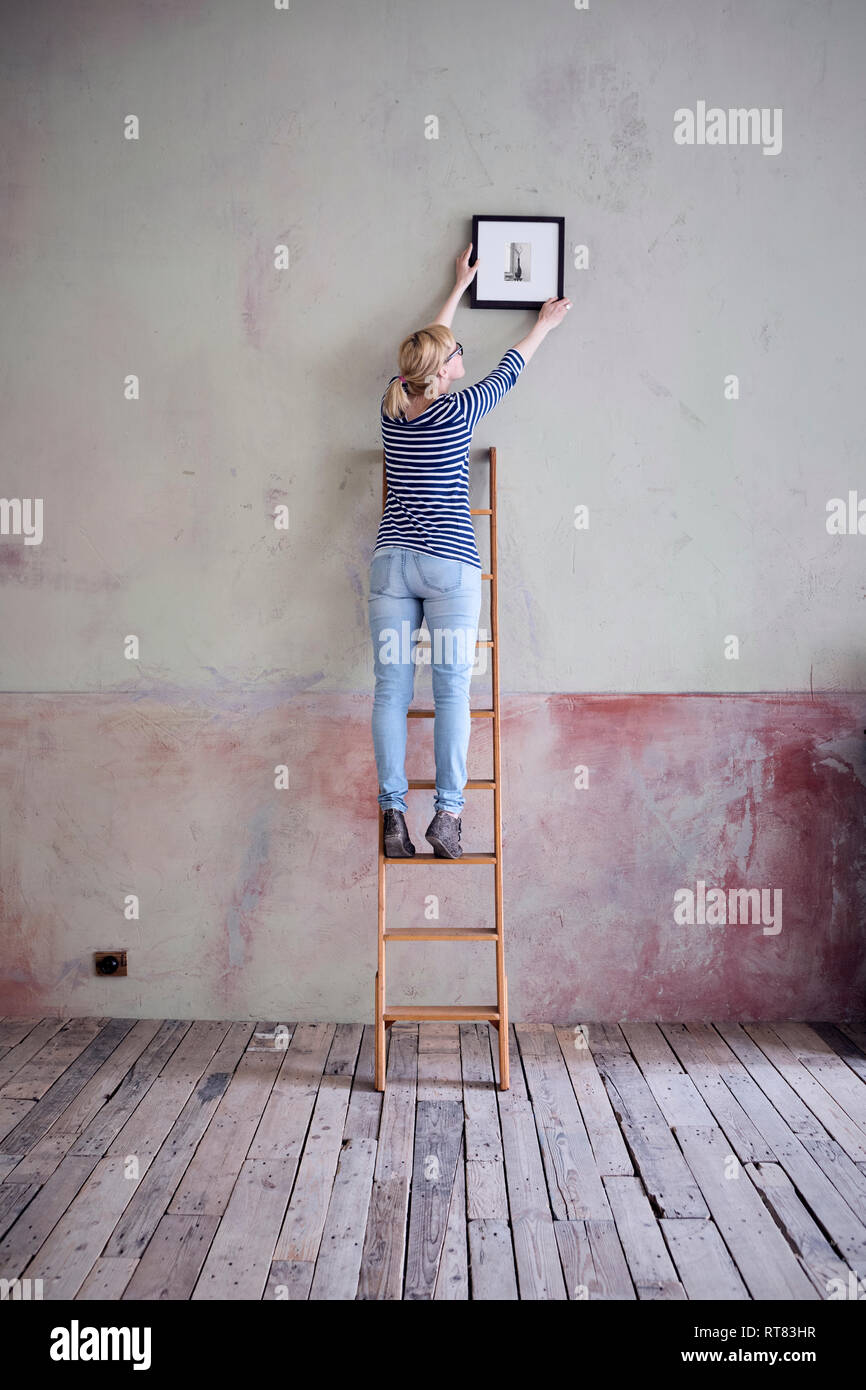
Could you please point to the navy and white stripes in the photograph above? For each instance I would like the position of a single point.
(427, 465)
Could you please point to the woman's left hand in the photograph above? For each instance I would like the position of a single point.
(466, 272)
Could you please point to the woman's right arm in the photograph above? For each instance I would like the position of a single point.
(550, 315)
(476, 401)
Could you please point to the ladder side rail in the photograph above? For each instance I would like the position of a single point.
(501, 979)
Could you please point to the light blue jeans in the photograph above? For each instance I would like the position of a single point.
(404, 586)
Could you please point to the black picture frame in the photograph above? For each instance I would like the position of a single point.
(476, 302)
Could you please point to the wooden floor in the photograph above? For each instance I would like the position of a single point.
(148, 1159)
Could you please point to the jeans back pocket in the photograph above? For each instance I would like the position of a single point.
(438, 573)
(380, 571)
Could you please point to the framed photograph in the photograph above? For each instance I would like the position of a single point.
(521, 261)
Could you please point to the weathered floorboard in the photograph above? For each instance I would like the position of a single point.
(195, 1160)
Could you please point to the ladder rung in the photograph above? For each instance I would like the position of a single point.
(485, 643)
(442, 934)
(484, 575)
(481, 511)
(476, 784)
(449, 1011)
(429, 713)
(439, 859)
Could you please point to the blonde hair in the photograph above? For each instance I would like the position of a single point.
(420, 357)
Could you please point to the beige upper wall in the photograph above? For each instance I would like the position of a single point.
(307, 127)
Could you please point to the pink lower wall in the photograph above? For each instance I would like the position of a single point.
(261, 903)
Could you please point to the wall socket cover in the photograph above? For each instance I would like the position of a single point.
(119, 956)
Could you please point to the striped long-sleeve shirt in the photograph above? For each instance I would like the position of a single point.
(427, 468)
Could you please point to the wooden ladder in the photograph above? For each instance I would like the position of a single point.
(497, 1014)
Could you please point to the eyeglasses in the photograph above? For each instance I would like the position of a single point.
(459, 348)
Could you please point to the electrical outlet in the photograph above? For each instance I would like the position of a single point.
(110, 962)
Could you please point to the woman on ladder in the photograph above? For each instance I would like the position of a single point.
(425, 561)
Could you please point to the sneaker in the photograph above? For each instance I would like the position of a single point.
(443, 833)
(397, 842)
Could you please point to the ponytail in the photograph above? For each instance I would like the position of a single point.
(394, 405)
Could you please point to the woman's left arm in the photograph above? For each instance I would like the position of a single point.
(464, 277)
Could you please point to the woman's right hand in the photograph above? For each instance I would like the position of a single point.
(552, 312)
